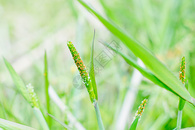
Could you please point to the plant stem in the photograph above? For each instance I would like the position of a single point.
(46, 88)
(98, 115)
(179, 119)
(40, 118)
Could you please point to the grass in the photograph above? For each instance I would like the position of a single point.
(152, 37)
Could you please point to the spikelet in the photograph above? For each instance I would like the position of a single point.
(182, 70)
(141, 108)
(82, 70)
(33, 96)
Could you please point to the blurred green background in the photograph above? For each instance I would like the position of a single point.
(28, 28)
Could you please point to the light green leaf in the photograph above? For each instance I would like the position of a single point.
(134, 124)
(18, 81)
(150, 61)
(13, 126)
(91, 71)
(47, 87)
(64, 125)
(146, 73)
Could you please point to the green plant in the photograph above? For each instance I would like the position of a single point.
(88, 79)
(28, 93)
(152, 63)
(138, 115)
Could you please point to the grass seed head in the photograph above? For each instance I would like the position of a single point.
(182, 70)
(33, 96)
(141, 108)
(82, 70)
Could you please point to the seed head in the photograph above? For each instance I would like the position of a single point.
(82, 69)
(182, 70)
(141, 108)
(33, 97)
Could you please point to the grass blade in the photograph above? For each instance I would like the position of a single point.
(154, 65)
(61, 123)
(17, 81)
(28, 93)
(13, 126)
(98, 115)
(47, 87)
(134, 124)
(142, 70)
(91, 72)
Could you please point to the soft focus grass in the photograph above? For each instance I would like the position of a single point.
(27, 28)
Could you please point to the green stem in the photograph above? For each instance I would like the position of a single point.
(46, 88)
(179, 119)
(40, 118)
(98, 115)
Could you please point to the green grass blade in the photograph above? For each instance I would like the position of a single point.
(47, 87)
(61, 123)
(134, 124)
(91, 71)
(26, 94)
(142, 70)
(151, 62)
(17, 81)
(40, 118)
(13, 126)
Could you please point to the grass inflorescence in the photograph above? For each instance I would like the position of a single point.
(82, 70)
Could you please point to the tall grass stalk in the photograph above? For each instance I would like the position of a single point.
(182, 77)
(179, 119)
(98, 115)
(47, 88)
(88, 79)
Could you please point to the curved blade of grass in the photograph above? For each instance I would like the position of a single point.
(142, 70)
(134, 124)
(17, 81)
(154, 65)
(91, 71)
(47, 87)
(61, 123)
(13, 126)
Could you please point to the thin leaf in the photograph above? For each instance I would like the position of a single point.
(142, 70)
(13, 126)
(47, 87)
(134, 124)
(17, 81)
(61, 123)
(91, 72)
(154, 65)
